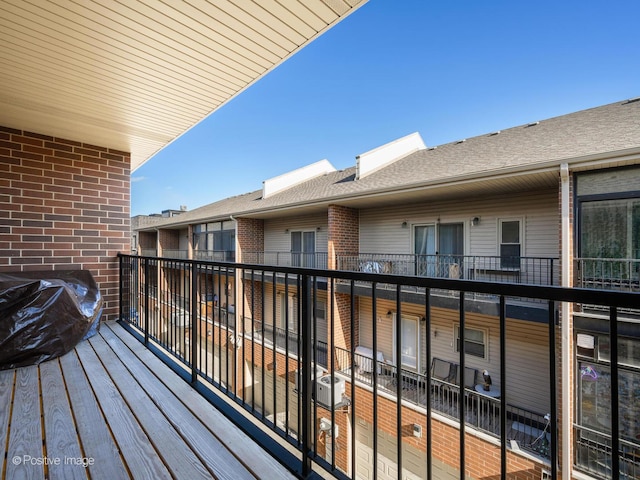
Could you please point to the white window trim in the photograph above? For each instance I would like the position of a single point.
(485, 333)
(500, 220)
(417, 343)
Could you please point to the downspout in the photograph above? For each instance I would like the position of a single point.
(567, 414)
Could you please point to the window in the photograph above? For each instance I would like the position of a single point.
(288, 312)
(610, 229)
(510, 244)
(303, 249)
(475, 341)
(215, 237)
(410, 338)
(437, 248)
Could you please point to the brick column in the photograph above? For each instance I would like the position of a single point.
(344, 239)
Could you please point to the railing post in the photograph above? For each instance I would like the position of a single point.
(193, 316)
(121, 279)
(306, 374)
(146, 301)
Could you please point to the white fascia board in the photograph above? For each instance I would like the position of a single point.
(295, 177)
(369, 162)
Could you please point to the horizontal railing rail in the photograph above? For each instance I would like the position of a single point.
(175, 253)
(287, 259)
(276, 376)
(529, 429)
(215, 255)
(608, 273)
(529, 270)
(593, 454)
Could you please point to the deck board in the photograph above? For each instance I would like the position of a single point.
(112, 402)
(25, 431)
(215, 455)
(142, 459)
(177, 455)
(97, 442)
(248, 452)
(6, 394)
(61, 439)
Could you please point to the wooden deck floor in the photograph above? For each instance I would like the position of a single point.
(110, 409)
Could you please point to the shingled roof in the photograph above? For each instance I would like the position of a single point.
(599, 133)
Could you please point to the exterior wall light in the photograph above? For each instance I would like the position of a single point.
(475, 221)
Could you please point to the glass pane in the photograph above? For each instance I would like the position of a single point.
(635, 230)
(604, 229)
(409, 343)
(296, 241)
(511, 232)
(473, 335)
(309, 242)
(450, 239)
(425, 240)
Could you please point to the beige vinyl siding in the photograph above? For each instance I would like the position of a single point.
(277, 239)
(608, 181)
(526, 348)
(381, 229)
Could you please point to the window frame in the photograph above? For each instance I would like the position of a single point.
(485, 339)
(413, 318)
(500, 243)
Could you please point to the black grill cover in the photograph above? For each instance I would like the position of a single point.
(44, 315)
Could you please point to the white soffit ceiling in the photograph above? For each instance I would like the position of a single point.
(135, 74)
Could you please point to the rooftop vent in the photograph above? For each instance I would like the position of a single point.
(632, 100)
(492, 134)
(373, 160)
(432, 148)
(295, 177)
(533, 124)
(461, 141)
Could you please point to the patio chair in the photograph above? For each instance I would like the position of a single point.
(442, 370)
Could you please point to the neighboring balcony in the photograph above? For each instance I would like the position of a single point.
(525, 429)
(525, 270)
(287, 259)
(622, 274)
(175, 253)
(617, 274)
(148, 252)
(215, 255)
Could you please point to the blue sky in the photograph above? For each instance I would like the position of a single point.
(448, 69)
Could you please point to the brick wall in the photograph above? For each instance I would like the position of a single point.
(344, 232)
(64, 205)
(168, 240)
(249, 237)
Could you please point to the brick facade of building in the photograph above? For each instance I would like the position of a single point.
(64, 205)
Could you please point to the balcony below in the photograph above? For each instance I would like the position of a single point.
(111, 409)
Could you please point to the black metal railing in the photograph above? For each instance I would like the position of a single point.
(593, 455)
(528, 270)
(175, 253)
(287, 259)
(621, 274)
(278, 381)
(215, 255)
(529, 429)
